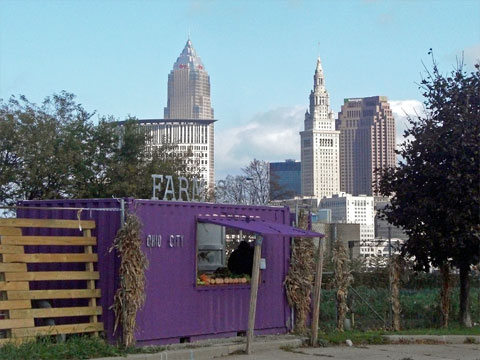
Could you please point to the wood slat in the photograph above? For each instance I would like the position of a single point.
(14, 285)
(49, 240)
(16, 323)
(13, 267)
(48, 223)
(15, 304)
(52, 294)
(11, 249)
(55, 312)
(58, 329)
(10, 231)
(52, 275)
(49, 258)
(92, 302)
(15, 278)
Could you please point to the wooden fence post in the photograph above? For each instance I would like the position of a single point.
(317, 292)
(254, 291)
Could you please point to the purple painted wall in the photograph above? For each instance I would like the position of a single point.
(175, 306)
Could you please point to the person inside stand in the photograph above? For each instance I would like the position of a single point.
(241, 259)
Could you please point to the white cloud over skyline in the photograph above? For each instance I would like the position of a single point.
(271, 136)
(401, 109)
(274, 136)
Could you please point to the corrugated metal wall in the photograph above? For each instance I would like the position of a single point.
(175, 306)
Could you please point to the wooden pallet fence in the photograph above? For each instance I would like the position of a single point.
(17, 315)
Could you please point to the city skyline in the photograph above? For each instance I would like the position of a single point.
(320, 160)
(367, 143)
(189, 98)
(116, 59)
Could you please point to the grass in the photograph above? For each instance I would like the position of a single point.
(74, 348)
(375, 337)
(453, 330)
(420, 307)
(357, 337)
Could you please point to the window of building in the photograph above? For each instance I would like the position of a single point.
(224, 255)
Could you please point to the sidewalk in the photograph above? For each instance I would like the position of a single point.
(216, 348)
(285, 347)
(371, 352)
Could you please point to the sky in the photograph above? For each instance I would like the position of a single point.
(115, 56)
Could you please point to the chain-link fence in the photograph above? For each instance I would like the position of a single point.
(370, 307)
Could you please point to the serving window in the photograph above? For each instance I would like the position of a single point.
(224, 255)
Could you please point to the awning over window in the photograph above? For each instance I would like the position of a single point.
(258, 226)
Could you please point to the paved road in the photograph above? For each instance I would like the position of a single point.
(370, 352)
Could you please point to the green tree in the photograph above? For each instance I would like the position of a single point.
(39, 146)
(133, 161)
(54, 151)
(435, 188)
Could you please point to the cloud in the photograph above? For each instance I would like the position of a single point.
(274, 136)
(271, 136)
(401, 109)
(472, 55)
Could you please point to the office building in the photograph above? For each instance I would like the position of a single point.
(323, 216)
(383, 229)
(347, 234)
(367, 143)
(319, 143)
(285, 179)
(188, 117)
(350, 209)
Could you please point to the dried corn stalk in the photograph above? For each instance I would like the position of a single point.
(445, 294)
(343, 279)
(395, 270)
(130, 296)
(299, 280)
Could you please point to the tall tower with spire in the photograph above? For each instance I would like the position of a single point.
(189, 99)
(188, 88)
(319, 143)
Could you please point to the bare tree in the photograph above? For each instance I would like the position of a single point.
(252, 187)
(231, 190)
(258, 184)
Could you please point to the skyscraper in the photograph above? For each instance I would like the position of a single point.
(285, 179)
(188, 117)
(189, 98)
(353, 210)
(367, 142)
(319, 143)
(188, 88)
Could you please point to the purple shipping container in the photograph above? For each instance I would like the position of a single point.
(176, 308)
